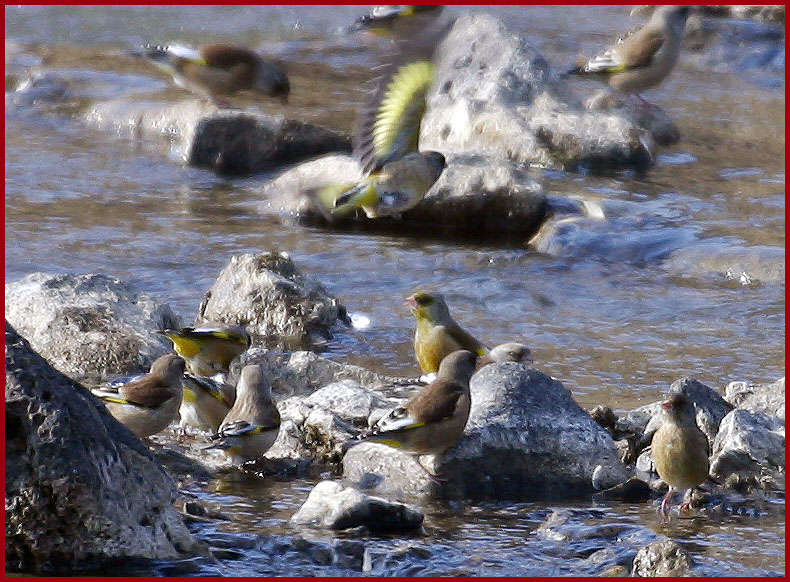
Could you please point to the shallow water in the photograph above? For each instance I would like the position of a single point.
(617, 312)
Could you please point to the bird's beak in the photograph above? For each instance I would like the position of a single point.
(666, 405)
(411, 303)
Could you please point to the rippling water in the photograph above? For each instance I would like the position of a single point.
(684, 277)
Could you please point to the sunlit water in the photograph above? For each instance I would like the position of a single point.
(684, 277)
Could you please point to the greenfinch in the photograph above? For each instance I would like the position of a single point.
(210, 348)
(437, 333)
(507, 352)
(216, 71)
(679, 448)
(251, 426)
(383, 19)
(147, 405)
(433, 420)
(645, 57)
(206, 402)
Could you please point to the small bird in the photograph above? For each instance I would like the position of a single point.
(397, 175)
(147, 405)
(210, 348)
(251, 426)
(645, 57)
(437, 333)
(384, 18)
(433, 420)
(679, 448)
(206, 402)
(507, 352)
(216, 71)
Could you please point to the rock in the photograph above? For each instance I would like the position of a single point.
(73, 498)
(495, 94)
(89, 324)
(751, 443)
(475, 195)
(767, 398)
(268, 295)
(632, 491)
(772, 12)
(651, 118)
(335, 506)
(526, 438)
(231, 142)
(662, 558)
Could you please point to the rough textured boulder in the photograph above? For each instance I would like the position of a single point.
(767, 398)
(662, 558)
(495, 93)
(751, 447)
(76, 495)
(526, 438)
(88, 324)
(335, 506)
(475, 195)
(268, 295)
(227, 141)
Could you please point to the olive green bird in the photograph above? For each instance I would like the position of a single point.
(433, 420)
(679, 448)
(437, 334)
(397, 175)
(210, 348)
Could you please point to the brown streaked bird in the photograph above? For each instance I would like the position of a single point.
(206, 402)
(209, 348)
(149, 404)
(507, 352)
(217, 71)
(437, 333)
(679, 448)
(645, 57)
(433, 420)
(251, 426)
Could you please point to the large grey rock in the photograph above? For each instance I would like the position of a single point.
(268, 295)
(475, 195)
(662, 558)
(495, 93)
(767, 398)
(79, 486)
(227, 141)
(750, 445)
(335, 506)
(526, 438)
(88, 324)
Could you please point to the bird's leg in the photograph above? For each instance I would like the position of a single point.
(432, 477)
(686, 505)
(665, 503)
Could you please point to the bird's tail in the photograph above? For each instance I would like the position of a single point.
(338, 200)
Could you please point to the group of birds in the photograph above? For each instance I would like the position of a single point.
(396, 174)
(243, 420)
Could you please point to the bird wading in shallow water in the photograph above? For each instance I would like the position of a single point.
(433, 420)
(251, 426)
(217, 71)
(645, 57)
(210, 348)
(437, 333)
(679, 448)
(149, 404)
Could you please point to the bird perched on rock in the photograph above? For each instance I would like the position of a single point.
(206, 402)
(437, 333)
(507, 352)
(216, 71)
(148, 404)
(433, 420)
(643, 58)
(210, 348)
(251, 426)
(397, 175)
(679, 448)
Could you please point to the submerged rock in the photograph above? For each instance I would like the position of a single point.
(88, 324)
(268, 295)
(335, 506)
(75, 496)
(227, 141)
(662, 558)
(526, 438)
